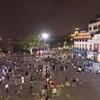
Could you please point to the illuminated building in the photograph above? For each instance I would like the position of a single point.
(94, 26)
(87, 43)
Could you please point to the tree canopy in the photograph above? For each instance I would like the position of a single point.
(31, 42)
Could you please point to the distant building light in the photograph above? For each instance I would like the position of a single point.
(77, 29)
(83, 31)
(59, 48)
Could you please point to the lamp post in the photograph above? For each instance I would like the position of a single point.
(45, 36)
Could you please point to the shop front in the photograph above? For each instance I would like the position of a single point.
(80, 52)
(94, 56)
(90, 55)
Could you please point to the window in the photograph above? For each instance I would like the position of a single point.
(96, 47)
(90, 39)
(85, 46)
(90, 28)
(90, 47)
(77, 45)
(98, 26)
(80, 46)
(95, 27)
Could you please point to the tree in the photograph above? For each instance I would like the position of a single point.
(6, 43)
(58, 41)
(10, 44)
(32, 42)
(61, 41)
(43, 45)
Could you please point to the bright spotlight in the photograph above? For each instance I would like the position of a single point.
(44, 35)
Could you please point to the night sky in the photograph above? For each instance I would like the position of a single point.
(23, 17)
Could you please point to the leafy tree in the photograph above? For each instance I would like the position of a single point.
(9, 43)
(31, 42)
(6, 43)
(43, 45)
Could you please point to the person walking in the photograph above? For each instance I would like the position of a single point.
(66, 81)
(6, 88)
(54, 82)
(74, 82)
(31, 88)
(8, 77)
(26, 74)
(22, 79)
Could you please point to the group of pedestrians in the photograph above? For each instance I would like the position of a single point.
(23, 69)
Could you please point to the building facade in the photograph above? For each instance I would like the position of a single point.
(94, 26)
(87, 43)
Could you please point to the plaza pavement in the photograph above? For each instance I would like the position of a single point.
(88, 90)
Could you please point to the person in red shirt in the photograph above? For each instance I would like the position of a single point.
(45, 79)
(54, 82)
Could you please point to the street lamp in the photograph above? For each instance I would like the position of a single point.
(45, 36)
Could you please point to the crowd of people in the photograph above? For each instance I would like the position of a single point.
(20, 69)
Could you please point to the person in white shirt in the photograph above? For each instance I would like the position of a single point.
(6, 88)
(22, 79)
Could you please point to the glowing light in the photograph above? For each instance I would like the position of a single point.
(45, 36)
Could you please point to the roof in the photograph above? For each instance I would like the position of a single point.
(94, 21)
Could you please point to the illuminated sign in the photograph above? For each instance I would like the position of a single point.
(96, 38)
(78, 37)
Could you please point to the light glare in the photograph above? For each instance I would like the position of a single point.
(44, 35)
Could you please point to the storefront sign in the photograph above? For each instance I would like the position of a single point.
(77, 37)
